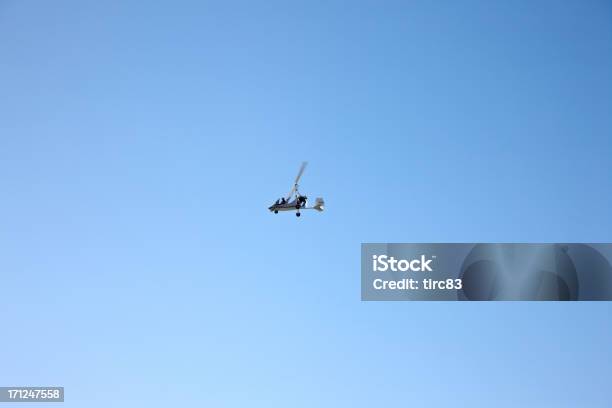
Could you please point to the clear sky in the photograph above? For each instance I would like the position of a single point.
(141, 143)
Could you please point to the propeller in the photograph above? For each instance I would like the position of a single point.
(297, 178)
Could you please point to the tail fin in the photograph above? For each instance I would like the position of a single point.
(319, 204)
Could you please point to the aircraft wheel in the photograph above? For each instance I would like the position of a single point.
(275, 211)
(297, 214)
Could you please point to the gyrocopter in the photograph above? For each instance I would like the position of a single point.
(295, 201)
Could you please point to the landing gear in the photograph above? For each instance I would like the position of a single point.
(275, 211)
(297, 214)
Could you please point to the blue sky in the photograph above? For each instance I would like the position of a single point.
(140, 145)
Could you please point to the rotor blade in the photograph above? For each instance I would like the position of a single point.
(300, 172)
(297, 178)
(290, 194)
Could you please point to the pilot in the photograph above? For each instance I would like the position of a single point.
(283, 201)
(277, 201)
